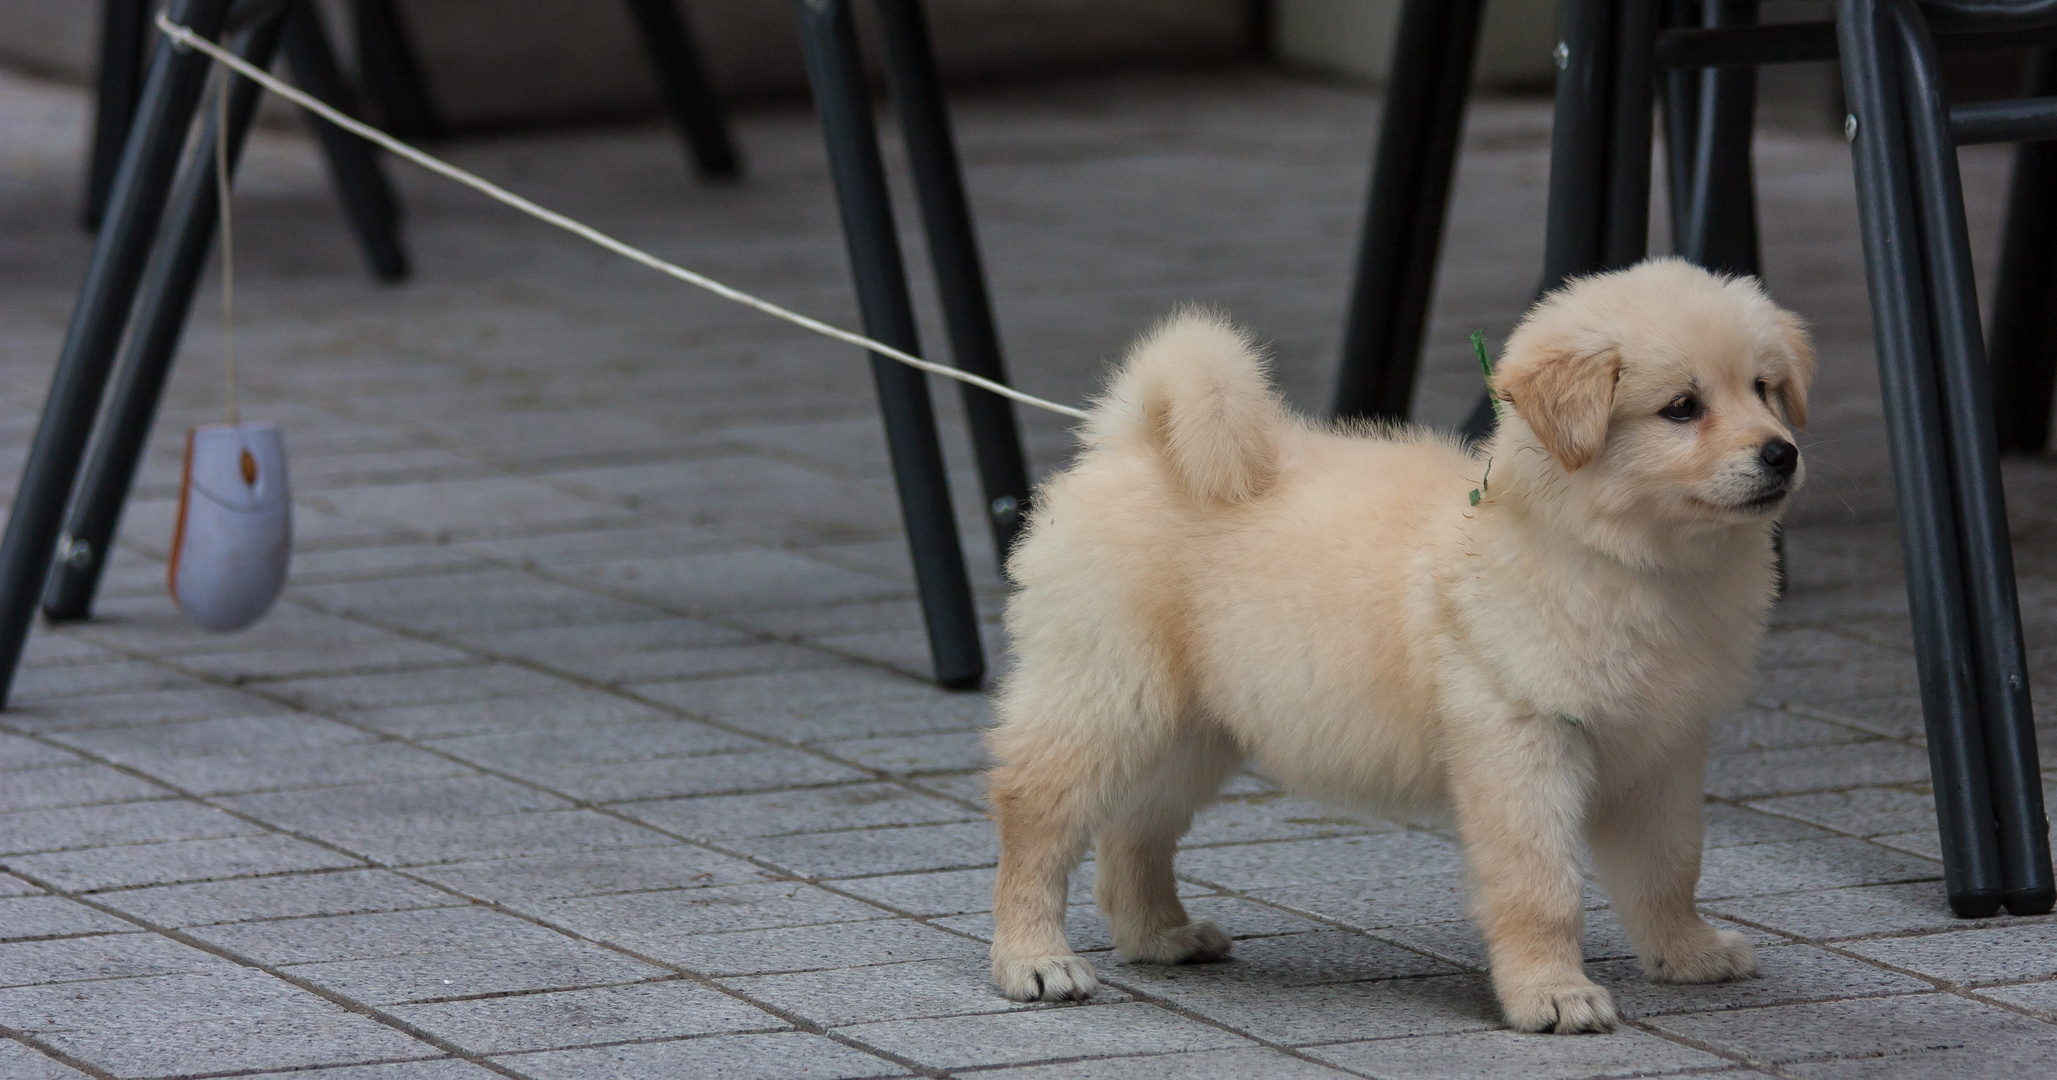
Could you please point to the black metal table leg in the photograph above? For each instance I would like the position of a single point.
(960, 274)
(369, 203)
(1987, 557)
(2024, 338)
(124, 33)
(688, 95)
(1405, 209)
(1717, 225)
(1629, 137)
(829, 41)
(1944, 655)
(169, 282)
(170, 96)
(391, 74)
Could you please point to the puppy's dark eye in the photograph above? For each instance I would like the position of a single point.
(1682, 408)
(1764, 391)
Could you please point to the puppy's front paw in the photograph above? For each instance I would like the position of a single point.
(1194, 943)
(1725, 958)
(1045, 978)
(1563, 1009)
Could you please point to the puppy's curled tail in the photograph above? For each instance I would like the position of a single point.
(1194, 392)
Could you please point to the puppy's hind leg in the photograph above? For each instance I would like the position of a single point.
(1133, 875)
(1043, 804)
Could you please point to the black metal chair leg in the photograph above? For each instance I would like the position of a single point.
(368, 200)
(2024, 337)
(1405, 209)
(1584, 146)
(1945, 657)
(1988, 562)
(1681, 112)
(170, 96)
(169, 282)
(829, 42)
(1629, 137)
(124, 32)
(682, 80)
(391, 75)
(960, 274)
(1720, 216)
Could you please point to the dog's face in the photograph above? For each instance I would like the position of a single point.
(1664, 394)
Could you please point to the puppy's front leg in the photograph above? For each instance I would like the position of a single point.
(1646, 845)
(1520, 784)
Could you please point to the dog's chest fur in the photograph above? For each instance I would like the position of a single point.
(1636, 653)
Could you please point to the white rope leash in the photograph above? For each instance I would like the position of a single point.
(185, 37)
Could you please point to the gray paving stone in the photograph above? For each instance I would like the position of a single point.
(569, 709)
(1729, 826)
(2038, 998)
(948, 892)
(614, 1014)
(367, 803)
(958, 1042)
(1370, 905)
(727, 580)
(1962, 1063)
(752, 699)
(1303, 1015)
(808, 948)
(1505, 1053)
(425, 841)
(22, 1063)
(1750, 730)
(595, 743)
(73, 785)
(439, 976)
(730, 1057)
(92, 869)
(1243, 1064)
(638, 669)
(138, 707)
(79, 680)
(409, 932)
(284, 896)
(120, 823)
(1788, 974)
(201, 738)
(25, 917)
(1860, 811)
(915, 755)
(1831, 914)
(713, 774)
(837, 997)
(14, 886)
(803, 810)
(865, 852)
(592, 873)
(668, 914)
(233, 1020)
(1805, 864)
(1266, 817)
(2018, 951)
(471, 682)
(1381, 857)
(329, 766)
(1862, 1029)
(118, 956)
(433, 1069)
(1290, 960)
(1812, 768)
(18, 752)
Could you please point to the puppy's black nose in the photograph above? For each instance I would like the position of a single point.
(1781, 457)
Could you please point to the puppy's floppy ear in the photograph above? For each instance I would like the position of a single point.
(1792, 389)
(1565, 393)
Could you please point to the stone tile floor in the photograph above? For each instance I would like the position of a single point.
(590, 738)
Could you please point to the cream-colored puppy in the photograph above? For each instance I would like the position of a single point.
(1217, 580)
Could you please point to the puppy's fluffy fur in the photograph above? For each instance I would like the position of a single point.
(1216, 580)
